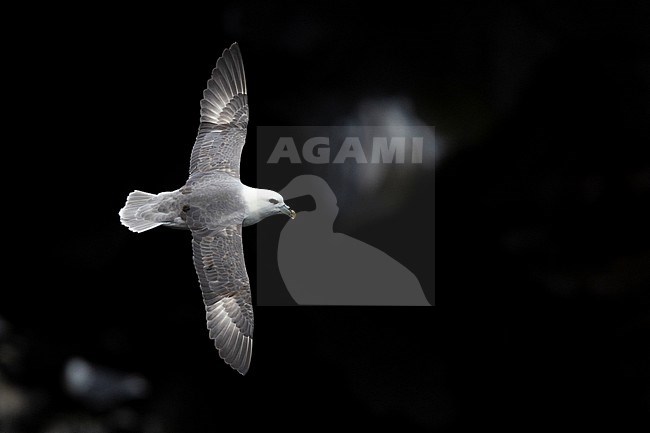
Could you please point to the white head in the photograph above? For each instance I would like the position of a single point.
(261, 203)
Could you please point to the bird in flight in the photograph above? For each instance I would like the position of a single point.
(214, 205)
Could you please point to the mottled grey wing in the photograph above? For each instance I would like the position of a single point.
(224, 118)
(219, 263)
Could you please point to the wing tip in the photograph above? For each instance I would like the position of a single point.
(240, 359)
(241, 368)
(227, 83)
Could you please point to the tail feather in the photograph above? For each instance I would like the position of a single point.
(131, 213)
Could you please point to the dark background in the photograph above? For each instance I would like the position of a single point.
(541, 189)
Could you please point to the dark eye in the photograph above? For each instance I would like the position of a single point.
(274, 201)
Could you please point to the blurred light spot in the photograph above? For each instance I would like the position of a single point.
(78, 376)
(373, 190)
(101, 386)
(395, 118)
(13, 403)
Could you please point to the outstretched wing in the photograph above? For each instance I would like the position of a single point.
(219, 263)
(224, 117)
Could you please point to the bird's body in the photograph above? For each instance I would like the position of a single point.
(214, 205)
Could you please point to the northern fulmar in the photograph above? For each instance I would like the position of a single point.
(214, 205)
